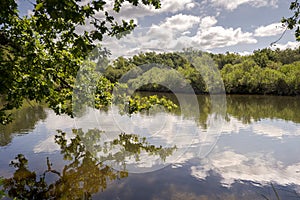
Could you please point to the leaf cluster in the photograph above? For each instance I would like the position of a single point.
(41, 53)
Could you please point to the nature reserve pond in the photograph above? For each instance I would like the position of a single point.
(253, 154)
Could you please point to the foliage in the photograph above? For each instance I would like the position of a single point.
(265, 71)
(292, 74)
(227, 58)
(2, 191)
(294, 21)
(145, 103)
(166, 72)
(40, 54)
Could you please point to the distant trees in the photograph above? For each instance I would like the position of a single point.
(265, 71)
(227, 58)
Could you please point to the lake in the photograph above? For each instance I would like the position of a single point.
(249, 150)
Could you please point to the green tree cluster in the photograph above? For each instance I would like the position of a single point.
(266, 71)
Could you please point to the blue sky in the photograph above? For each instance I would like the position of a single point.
(212, 25)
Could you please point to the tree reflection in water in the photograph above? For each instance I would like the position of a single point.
(24, 121)
(85, 174)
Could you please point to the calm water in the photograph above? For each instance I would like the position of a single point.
(250, 152)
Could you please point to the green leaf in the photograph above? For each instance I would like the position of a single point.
(39, 6)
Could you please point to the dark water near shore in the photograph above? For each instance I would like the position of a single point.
(251, 152)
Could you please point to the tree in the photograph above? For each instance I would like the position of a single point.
(294, 21)
(41, 53)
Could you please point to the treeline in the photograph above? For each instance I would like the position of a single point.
(265, 71)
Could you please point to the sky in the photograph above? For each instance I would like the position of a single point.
(216, 26)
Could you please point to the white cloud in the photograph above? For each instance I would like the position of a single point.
(186, 33)
(233, 4)
(166, 35)
(288, 45)
(180, 22)
(269, 30)
(263, 3)
(208, 21)
(245, 53)
(182, 31)
(128, 11)
(167, 6)
(48, 145)
(270, 128)
(176, 5)
(256, 167)
(210, 36)
(276, 129)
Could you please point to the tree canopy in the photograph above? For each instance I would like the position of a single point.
(41, 53)
(266, 71)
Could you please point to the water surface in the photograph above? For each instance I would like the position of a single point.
(156, 155)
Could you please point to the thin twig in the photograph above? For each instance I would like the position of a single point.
(281, 36)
